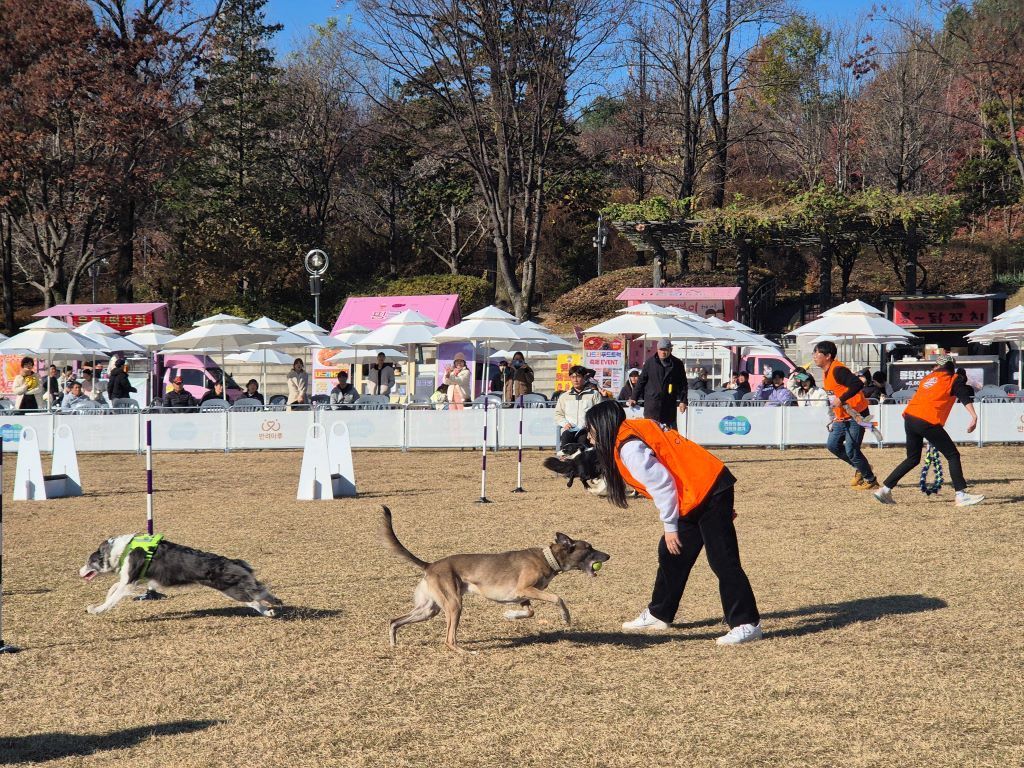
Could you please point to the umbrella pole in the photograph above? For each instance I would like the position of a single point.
(483, 462)
(4, 648)
(519, 469)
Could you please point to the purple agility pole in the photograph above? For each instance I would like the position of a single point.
(483, 460)
(519, 469)
(4, 648)
(149, 477)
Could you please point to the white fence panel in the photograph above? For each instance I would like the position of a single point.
(369, 428)
(11, 426)
(735, 425)
(428, 428)
(1001, 422)
(109, 432)
(187, 431)
(805, 425)
(268, 429)
(539, 428)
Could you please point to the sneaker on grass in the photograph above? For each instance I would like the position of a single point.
(884, 495)
(645, 622)
(965, 499)
(744, 633)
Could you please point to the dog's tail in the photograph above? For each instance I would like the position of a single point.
(566, 469)
(387, 532)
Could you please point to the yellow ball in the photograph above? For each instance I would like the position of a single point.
(596, 567)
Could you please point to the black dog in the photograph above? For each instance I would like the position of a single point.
(581, 464)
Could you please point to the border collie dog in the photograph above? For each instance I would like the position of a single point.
(173, 565)
(580, 463)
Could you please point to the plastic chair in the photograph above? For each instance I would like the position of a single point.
(124, 405)
(6, 405)
(990, 393)
(320, 400)
(275, 400)
(749, 396)
(535, 400)
(902, 396)
(1011, 389)
(493, 401)
(374, 402)
(720, 398)
(246, 404)
(214, 404)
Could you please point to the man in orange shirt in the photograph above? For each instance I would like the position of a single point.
(846, 434)
(924, 419)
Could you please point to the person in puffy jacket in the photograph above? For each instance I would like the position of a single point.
(572, 406)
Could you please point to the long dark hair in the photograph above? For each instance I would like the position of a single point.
(604, 419)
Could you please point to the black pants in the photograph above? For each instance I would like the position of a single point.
(708, 527)
(918, 431)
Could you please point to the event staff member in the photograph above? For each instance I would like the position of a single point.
(845, 434)
(924, 419)
(662, 386)
(693, 492)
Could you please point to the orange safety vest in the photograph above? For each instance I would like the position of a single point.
(694, 469)
(858, 402)
(934, 398)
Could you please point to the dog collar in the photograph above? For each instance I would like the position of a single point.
(550, 557)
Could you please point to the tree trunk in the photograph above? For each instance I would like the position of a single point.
(825, 254)
(7, 248)
(744, 254)
(124, 266)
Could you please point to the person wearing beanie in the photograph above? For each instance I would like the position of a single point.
(924, 419)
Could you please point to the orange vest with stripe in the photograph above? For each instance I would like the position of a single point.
(694, 469)
(858, 402)
(934, 398)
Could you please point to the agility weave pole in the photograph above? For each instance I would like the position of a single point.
(483, 460)
(4, 648)
(519, 469)
(149, 594)
(932, 460)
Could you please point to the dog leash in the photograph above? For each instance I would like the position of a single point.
(932, 460)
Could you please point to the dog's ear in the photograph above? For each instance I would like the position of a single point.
(564, 540)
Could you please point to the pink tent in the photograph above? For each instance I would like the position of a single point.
(371, 311)
(121, 317)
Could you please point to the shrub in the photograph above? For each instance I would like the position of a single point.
(474, 292)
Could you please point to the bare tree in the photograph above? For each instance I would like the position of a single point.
(502, 73)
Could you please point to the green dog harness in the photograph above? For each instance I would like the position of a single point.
(147, 544)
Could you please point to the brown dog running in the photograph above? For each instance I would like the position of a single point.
(505, 577)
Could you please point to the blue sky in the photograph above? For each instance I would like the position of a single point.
(298, 15)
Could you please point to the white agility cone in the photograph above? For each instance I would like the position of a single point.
(65, 461)
(339, 452)
(315, 477)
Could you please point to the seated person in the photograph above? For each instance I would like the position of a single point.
(700, 382)
(627, 391)
(74, 397)
(177, 397)
(440, 397)
(216, 392)
(344, 394)
(882, 382)
(773, 390)
(805, 389)
(742, 384)
(871, 390)
(731, 384)
(251, 391)
(572, 407)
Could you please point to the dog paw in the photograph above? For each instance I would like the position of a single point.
(270, 613)
(92, 609)
(522, 613)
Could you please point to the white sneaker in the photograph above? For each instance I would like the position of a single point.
(744, 633)
(884, 495)
(969, 499)
(645, 621)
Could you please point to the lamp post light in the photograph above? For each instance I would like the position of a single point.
(316, 264)
(600, 240)
(94, 272)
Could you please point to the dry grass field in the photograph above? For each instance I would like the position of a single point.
(893, 634)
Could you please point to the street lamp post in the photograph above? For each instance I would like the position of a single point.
(600, 240)
(94, 272)
(316, 264)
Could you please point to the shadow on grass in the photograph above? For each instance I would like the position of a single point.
(812, 619)
(56, 745)
(284, 613)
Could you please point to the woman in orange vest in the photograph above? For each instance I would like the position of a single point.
(845, 434)
(924, 419)
(693, 492)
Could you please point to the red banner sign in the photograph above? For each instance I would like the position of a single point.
(941, 313)
(117, 322)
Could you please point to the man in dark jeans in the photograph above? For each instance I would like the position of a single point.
(925, 418)
(662, 386)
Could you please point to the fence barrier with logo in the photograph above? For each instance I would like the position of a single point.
(416, 427)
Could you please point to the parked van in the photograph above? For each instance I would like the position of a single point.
(198, 372)
(760, 367)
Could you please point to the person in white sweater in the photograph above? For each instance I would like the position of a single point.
(297, 384)
(806, 392)
(572, 406)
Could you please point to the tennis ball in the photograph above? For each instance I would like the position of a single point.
(595, 567)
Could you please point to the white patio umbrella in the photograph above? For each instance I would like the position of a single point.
(351, 333)
(224, 336)
(1010, 328)
(264, 356)
(307, 327)
(151, 338)
(266, 324)
(864, 328)
(856, 307)
(221, 318)
(356, 356)
(408, 330)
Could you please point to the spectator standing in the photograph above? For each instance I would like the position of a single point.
(700, 382)
(382, 376)
(773, 390)
(521, 382)
(297, 384)
(53, 394)
(572, 406)
(662, 386)
(628, 389)
(27, 387)
(343, 395)
(457, 378)
(178, 397)
(119, 387)
(252, 391)
(215, 392)
(74, 398)
(501, 377)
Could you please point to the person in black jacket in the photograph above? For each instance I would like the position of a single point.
(178, 397)
(626, 393)
(662, 386)
(118, 385)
